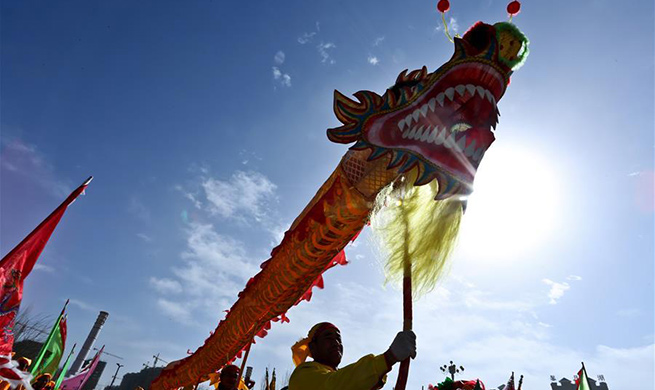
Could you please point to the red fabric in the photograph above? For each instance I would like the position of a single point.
(63, 329)
(577, 380)
(17, 264)
(9, 374)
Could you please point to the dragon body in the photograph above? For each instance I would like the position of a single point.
(436, 125)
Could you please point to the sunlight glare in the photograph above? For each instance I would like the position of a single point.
(514, 207)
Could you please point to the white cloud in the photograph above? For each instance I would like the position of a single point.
(453, 26)
(574, 277)
(283, 78)
(306, 38)
(166, 286)
(323, 52)
(26, 160)
(245, 194)
(44, 268)
(279, 57)
(373, 60)
(557, 290)
(83, 305)
(215, 268)
(178, 311)
(144, 237)
(378, 41)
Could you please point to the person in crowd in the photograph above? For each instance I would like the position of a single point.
(228, 379)
(323, 345)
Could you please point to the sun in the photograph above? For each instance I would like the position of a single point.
(514, 208)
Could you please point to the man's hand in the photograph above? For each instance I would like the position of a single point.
(402, 347)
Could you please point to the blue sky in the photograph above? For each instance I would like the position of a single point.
(204, 123)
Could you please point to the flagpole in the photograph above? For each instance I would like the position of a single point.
(403, 371)
(64, 204)
(35, 368)
(243, 364)
(60, 377)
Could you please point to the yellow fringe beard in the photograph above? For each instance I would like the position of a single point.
(409, 223)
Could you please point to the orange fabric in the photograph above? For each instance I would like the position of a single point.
(331, 220)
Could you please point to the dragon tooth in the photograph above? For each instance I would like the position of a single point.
(408, 119)
(480, 91)
(450, 93)
(424, 110)
(416, 114)
(426, 134)
(401, 124)
(410, 134)
(461, 144)
(470, 150)
(460, 89)
(489, 96)
(450, 141)
(471, 88)
(419, 133)
(432, 103)
(440, 98)
(433, 134)
(441, 136)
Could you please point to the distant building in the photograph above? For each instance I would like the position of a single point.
(92, 382)
(565, 384)
(142, 378)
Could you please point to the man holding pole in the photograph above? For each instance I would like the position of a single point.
(323, 344)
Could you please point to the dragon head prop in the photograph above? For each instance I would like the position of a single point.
(441, 122)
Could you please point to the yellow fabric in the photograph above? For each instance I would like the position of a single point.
(300, 350)
(367, 373)
(409, 223)
(215, 380)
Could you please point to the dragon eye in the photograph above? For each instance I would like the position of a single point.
(460, 127)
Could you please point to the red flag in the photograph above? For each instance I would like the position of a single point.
(18, 263)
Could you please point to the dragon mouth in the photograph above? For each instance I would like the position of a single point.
(449, 123)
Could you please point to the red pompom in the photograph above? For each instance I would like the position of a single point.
(443, 6)
(513, 8)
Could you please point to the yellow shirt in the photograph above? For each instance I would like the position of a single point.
(367, 373)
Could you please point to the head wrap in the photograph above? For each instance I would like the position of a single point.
(23, 360)
(300, 350)
(47, 376)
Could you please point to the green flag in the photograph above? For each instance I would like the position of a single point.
(52, 350)
(63, 371)
(583, 381)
